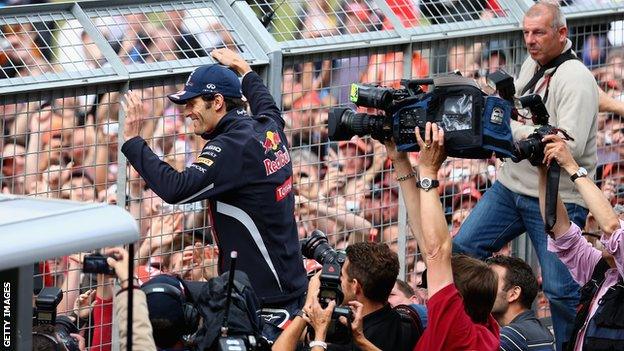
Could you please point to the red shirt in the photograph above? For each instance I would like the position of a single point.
(450, 328)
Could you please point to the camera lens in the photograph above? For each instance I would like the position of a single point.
(64, 327)
(526, 149)
(370, 96)
(317, 247)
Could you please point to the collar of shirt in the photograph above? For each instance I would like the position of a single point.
(224, 122)
(524, 316)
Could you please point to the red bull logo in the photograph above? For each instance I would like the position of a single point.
(281, 159)
(271, 142)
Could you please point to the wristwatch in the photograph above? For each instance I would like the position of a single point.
(427, 183)
(582, 172)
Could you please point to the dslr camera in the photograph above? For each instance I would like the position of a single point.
(475, 124)
(317, 247)
(45, 313)
(96, 264)
(532, 148)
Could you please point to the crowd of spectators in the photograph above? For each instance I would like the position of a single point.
(64, 146)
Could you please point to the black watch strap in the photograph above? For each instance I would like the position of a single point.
(427, 183)
(582, 172)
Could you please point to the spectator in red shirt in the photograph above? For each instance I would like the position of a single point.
(461, 290)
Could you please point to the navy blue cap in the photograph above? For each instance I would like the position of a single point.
(209, 79)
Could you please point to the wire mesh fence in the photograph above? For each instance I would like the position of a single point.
(64, 143)
(173, 33)
(47, 46)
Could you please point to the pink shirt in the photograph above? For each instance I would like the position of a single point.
(581, 258)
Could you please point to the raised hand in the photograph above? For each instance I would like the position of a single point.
(231, 59)
(84, 304)
(133, 109)
(432, 153)
(119, 264)
(556, 149)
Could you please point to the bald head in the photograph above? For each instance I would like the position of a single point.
(550, 9)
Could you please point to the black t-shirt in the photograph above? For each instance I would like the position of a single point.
(386, 330)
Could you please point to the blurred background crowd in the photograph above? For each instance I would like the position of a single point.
(65, 145)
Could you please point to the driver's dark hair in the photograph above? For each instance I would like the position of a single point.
(230, 103)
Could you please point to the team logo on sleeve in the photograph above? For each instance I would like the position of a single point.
(272, 141)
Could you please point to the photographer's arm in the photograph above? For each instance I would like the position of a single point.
(436, 239)
(562, 225)
(142, 334)
(403, 170)
(567, 242)
(287, 341)
(599, 206)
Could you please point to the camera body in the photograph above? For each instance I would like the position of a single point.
(96, 264)
(475, 125)
(532, 148)
(317, 247)
(45, 313)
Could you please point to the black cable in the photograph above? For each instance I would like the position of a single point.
(268, 17)
(130, 294)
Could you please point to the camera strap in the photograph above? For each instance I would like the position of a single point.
(552, 194)
(556, 62)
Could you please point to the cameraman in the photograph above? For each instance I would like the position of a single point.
(366, 279)
(142, 336)
(510, 207)
(45, 338)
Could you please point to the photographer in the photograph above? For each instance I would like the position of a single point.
(598, 324)
(461, 289)
(243, 170)
(142, 338)
(510, 207)
(367, 277)
(46, 338)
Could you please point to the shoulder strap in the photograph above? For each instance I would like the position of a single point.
(599, 271)
(556, 62)
(411, 317)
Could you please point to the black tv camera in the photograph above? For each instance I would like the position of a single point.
(317, 247)
(45, 313)
(476, 125)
